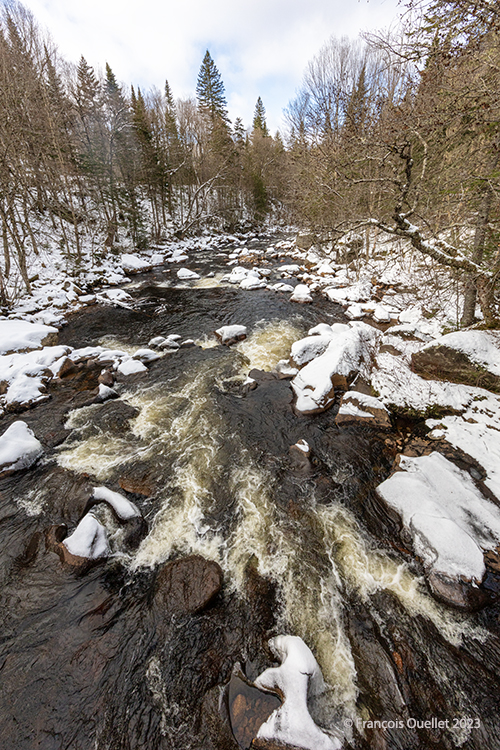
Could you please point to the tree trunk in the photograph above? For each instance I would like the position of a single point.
(483, 217)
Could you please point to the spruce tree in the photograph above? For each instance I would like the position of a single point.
(210, 90)
(259, 118)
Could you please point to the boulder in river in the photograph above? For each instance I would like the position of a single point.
(187, 585)
(228, 335)
(363, 409)
(19, 448)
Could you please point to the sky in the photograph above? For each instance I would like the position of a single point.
(260, 47)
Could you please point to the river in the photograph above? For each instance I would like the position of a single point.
(89, 659)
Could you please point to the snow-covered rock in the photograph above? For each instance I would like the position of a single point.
(301, 294)
(19, 448)
(124, 509)
(185, 274)
(231, 334)
(252, 282)
(298, 674)
(146, 355)
(304, 350)
(281, 287)
(131, 367)
(117, 295)
(20, 335)
(349, 351)
(360, 291)
(89, 540)
(132, 262)
(449, 519)
(105, 392)
(360, 407)
(381, 314)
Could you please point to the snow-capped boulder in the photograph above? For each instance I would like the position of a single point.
(133, 263)
(450, 522)
(89, 541)
(304, 350)
(124, 508)
(19, 448)
(20, 335)
(349, 352)
(301, 294)
(146, 355)
(298, 675)
(281, 287)
(131, 367)
(471, 357)
(185, 274)
(252, 282)
(231, 334)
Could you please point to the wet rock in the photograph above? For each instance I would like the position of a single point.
(249, 708)
(260, 375)
(114, 417)
(106, 378)
(460, 594)
(362, 409)
(300, 454)
(187, 585)
(68, 369)
(138, 480)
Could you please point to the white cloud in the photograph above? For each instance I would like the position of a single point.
(260, 47)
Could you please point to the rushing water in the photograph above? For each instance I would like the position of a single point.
(89, 660)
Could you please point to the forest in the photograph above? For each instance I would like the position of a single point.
(395, 132)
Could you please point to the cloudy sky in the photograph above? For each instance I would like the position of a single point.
(261, 47)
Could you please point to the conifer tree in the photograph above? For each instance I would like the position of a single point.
(259, 118)
(210, 90)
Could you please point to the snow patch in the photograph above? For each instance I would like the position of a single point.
(19, 448)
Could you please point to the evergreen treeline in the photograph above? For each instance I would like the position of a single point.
(398, 132)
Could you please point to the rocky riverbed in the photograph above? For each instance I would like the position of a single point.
(174, 501)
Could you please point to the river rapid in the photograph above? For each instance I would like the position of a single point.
(93, 659)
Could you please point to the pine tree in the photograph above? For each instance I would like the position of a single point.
(259, 118)
(210, 90)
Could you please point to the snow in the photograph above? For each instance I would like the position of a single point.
(26, 374)
(88, 540)
(357, 292)
(477, 433)
(301, 293)
(450, 521)
(185, 274)
(117, 295)
(281, 287)
(19, 335)
(124, 509)
(302, 445)
(229, 333)
(304, 350)
(482, 347)
(131, 367)
(252, 282)
(354, 401)
(350, 350)
(132, 262)
(19, 448)
(105, 392)
(299, 672)
(146, 355)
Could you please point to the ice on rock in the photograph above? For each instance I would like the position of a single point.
(298, 674)
(19, 335)
(19, 448)
(124, 509)
(450, 521)
(301, 293)
(186, 273)
(89, 539)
